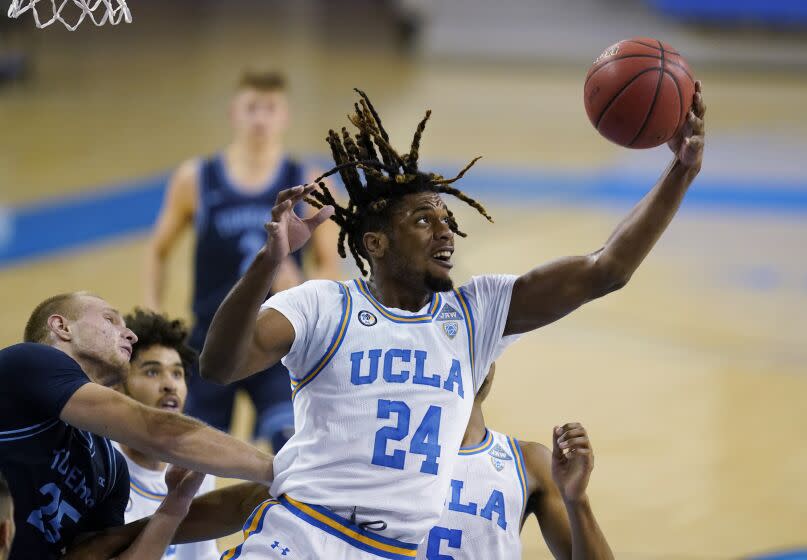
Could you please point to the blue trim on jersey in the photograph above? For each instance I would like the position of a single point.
(481, 447)
(336, 342)
(30, 431)
(326, 520)
(113, 467)
(428, 317)
(470, 326)
(140, 491)
(520, 470)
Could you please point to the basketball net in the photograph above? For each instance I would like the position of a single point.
(99, 12)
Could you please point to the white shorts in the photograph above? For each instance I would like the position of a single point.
(286, 529)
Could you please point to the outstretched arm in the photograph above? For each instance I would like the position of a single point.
(547, 293)
(239, 342)
(171, 437)
(211, 516)
(557, 486)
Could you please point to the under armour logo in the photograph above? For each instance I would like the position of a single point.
(283, 550)
(101, 481)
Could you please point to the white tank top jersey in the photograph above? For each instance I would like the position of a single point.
(482, 514)
(382, 397)
(147, 490)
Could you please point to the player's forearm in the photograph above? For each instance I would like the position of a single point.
(105, 544)
(220, 513)
(226, 348)
(159, 531)
(210, 516)
(154, 279)
(189, 443)
(636, 235)
(588, 541)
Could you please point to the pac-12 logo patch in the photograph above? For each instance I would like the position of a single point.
(450, 329)
(367, 319)
(498, 456)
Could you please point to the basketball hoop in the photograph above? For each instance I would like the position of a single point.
(100, 12)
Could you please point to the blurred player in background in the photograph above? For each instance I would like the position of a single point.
(227, 198)
(498, 481)
(161, 363)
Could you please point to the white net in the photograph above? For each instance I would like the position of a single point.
(100, 12)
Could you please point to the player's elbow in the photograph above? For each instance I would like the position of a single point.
(609, 275)
(212, 369)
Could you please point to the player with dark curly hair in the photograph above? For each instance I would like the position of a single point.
(160, 365)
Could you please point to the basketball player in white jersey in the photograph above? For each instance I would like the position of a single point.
(160, 364)
(498, 481)
(384, 371)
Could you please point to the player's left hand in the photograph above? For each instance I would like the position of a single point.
(183, 484)
(288, 232)
(687, 145)
(572, 460)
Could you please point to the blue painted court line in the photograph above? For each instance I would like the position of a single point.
(40, 229)
(58, 224)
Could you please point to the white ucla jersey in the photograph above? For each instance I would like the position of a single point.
(482, 515)
(147, 490)
(382, 397)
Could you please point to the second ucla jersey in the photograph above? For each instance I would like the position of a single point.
(230, 230)
(482, 516)
(382, 398)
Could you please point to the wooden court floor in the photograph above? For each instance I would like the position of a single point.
(692, 380)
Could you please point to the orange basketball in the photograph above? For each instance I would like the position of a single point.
(638, 92)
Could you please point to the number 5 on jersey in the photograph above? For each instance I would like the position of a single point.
(425, 440)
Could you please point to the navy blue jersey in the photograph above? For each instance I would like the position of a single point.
(64, 481)
(230, 231)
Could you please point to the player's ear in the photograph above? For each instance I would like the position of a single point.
(375, 243)
(57, 324)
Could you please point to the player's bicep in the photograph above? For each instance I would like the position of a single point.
(551, 291)
(274, 335)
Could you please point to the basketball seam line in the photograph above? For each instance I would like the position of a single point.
(606, 63)
(681, 66)
(676, 53)
(655, 97)
(617, 94)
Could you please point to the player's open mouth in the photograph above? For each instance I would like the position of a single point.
(443, 257)
(169, 403)
(127, 350)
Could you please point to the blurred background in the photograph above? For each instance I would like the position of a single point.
(692, 380)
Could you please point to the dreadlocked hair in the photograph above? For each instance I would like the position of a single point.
(388, 175)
